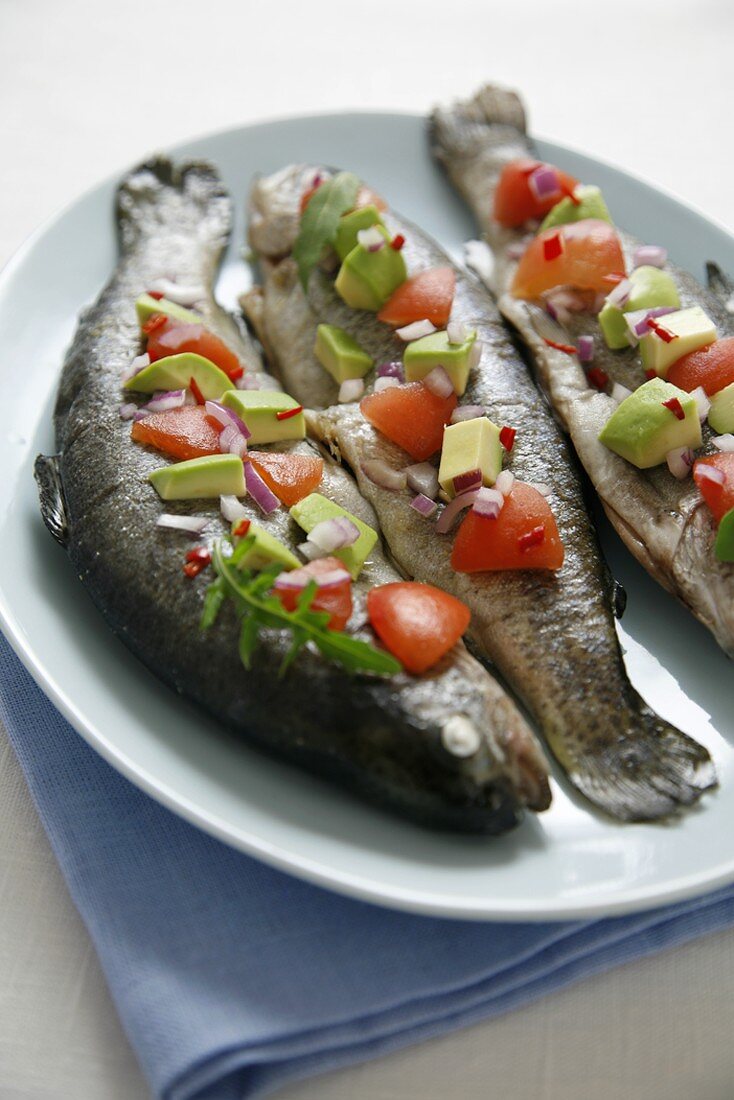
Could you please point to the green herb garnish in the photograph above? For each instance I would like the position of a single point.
(259, 610)
(320, 221)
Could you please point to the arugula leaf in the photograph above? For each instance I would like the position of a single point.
(260, 610)
(320, 221)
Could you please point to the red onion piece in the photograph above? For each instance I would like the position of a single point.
(371, 239)
(680, 461)
(391, 370)
(311, 551)
(422, 478)
(452, 509)
(296, 580)
(379, 473)
(248, 382)
(232, 509)
(385, 383)
(637, 320)
(127, 411)
(724, 442)
(177, 292)
(514, 251)
(334, 534)
(456, 332)
(544, 182)
(585, 344)
(467, 412)
(620, 293)
(438, 382)
(192, 525)
(226, 417)
(703, 404)
(710, 473)
(650, 255)
(140, 362)
(266, 501)
(541, 487)
(141, 414)
(505, 481)
(423, 505)
(489, 503)
(351, 389)
(462, 483)
(415, 330)
(163, 402)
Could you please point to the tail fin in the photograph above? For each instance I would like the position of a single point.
(648, 771)
(159, 196)
(493, 116)
(720, 285)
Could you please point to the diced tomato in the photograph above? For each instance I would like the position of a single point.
(514, 201)
(720, 498)
(411, 416)
(711, 367)
(590, 249)
(182, 433)
(175, 338)
(334, 598)
(290, 476)
(484, 544)
(417, 622)
(429, 294)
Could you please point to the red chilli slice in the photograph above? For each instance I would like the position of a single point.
(598, 378)
(154, 322)
(286, 414)
(552, 247)
(193, 386)
(613, 278)
(242, 528)
(155, 294)
(650, 373)
(507, 437)
(570, 349)
(675, 407)
(397, 242)
(532, 538)
(665, 334)
(196, 560)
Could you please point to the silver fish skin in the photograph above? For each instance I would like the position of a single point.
(663, 522)
(448, 749)
(551, 636)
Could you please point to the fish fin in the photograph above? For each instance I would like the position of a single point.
(187, 199)
(648, 772)
(720, 285)
(493, 116)
(51, 497)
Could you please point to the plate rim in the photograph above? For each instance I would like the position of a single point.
(302, 866)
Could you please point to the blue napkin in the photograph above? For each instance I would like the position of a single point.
(231, 978)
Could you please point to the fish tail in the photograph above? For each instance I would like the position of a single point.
(492, 117)
(647, 772)
(160, 197)
(51, 497)
(720, 285)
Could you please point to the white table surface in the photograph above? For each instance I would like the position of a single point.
(89, 87)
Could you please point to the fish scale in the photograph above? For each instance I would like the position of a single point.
(662, 521)
(551, 636)
(385, 738)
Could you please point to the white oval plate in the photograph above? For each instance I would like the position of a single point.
(565, 863)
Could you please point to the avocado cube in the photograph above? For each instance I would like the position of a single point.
(470, 445)
(590, 204)
(340, 354)
(266, 550)
(260, 408)
(349, 226)
(174, 372)
(721, 413)
(210, 476)
(367, 279)
(315, 508)
(421, 356)
(724, 545)
(146, 306)
(692, 330)
(650, 287)
(642, 429)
